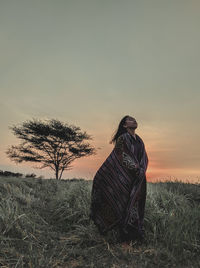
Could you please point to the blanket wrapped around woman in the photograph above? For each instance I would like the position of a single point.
(119, 188)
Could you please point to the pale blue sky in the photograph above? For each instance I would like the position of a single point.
(90, 63)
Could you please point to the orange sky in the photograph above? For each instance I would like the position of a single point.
(86, 167)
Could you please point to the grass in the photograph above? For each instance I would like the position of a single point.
(44, 223)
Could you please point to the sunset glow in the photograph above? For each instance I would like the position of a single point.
(89, 63)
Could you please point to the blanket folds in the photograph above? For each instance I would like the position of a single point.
(119, 187)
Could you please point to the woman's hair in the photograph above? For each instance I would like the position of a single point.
(121, 129)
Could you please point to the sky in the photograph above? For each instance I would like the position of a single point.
(90, 63)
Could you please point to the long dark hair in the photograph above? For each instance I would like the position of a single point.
(120, 130)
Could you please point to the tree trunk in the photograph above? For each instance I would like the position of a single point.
(61, 173)
(57, 170)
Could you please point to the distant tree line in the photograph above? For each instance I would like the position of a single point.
(18, 175)
(31, 175)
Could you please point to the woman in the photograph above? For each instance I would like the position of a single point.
(119, 186)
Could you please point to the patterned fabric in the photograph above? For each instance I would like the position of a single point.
(119, 188)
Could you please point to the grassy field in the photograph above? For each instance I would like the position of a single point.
(44, 223)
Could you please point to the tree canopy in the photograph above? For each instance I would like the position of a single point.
(50, 143)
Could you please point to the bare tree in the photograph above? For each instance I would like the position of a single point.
(49, 143)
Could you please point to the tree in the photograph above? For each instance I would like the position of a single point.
(49, 143)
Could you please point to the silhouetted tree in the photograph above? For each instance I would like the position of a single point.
(49, 143)
(10, 174)
(32, 175)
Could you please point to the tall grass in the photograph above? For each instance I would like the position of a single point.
(45, 223)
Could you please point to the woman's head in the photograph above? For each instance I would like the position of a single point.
(127, 123)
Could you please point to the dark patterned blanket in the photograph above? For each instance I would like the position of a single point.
(119, 186)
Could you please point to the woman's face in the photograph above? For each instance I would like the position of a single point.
(131, 124)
